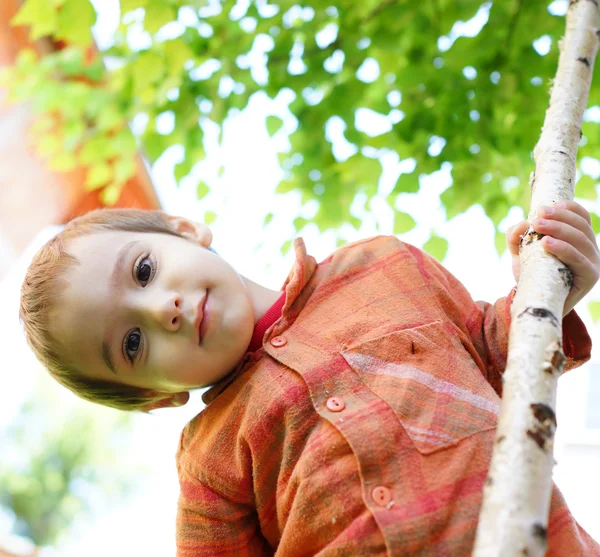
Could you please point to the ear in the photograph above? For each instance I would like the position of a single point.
(194, 231)
(167, 401)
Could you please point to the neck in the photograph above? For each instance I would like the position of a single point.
(262, 298)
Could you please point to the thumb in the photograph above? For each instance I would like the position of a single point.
(513, 236)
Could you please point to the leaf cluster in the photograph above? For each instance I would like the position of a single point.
(58, 467)
(459, 82)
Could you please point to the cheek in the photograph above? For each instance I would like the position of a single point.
(239, 320)
(167, 355)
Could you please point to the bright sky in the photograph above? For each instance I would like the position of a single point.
(242, 197)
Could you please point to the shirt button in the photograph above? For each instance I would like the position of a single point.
(381, 495)
(278, 341)
(335, 404)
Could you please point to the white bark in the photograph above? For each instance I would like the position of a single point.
(516, 497)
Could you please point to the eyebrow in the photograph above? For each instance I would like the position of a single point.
(107, 357)
(120, 262)
(115, 276)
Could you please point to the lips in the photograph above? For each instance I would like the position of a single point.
(201, 319)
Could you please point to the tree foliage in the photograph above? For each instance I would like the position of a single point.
(58, 466)
(460, 82)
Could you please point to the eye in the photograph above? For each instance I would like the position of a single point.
(144, 270)
(131, 344)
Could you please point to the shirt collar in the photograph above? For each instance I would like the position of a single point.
(271, 315)
(302, 271)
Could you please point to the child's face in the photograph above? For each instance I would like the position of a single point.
(131, 311)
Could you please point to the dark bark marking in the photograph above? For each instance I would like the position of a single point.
(538, 437)
(488, 481)
(556, 362)
(525, 552)
(529, 237)
(543, 431)
(558, 359)
(543, 413)
(585, 61)
(532, 181)
(500, 439)
(567, 276)
(412, 347)
(539, 532)
(540, 313)
(562, 153)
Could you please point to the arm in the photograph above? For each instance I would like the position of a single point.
(486, 325)
(209, 524)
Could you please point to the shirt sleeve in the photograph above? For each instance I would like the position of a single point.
(487, 325)
(209, 524)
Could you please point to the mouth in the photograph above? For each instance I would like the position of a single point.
(202, 319)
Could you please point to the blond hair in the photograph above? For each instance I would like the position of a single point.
(44, 281)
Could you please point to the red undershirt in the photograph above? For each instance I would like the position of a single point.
(272, 315)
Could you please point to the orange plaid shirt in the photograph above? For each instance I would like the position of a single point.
(365, 423)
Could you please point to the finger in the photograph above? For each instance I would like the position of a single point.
(570, 235)
(574, 207)
(582, 268)
(513, 236)
(570, 217)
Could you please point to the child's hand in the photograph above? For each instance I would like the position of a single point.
(568, 236)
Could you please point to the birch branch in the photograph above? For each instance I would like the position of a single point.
(516, 497)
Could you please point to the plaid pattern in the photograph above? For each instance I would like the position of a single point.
(267, 468)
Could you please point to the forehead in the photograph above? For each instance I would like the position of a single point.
(90, 247)
(84, 306)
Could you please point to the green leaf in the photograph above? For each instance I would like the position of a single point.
(183, 168)
(586, 188)
(111, 194)
(40, 15)
(202, 190)
(158, 14)
(209, 217)
(300, 223)
(148, 69)
(268, 219)
(124, 169)
(177, 53)
(500, 243)
(594, 308)
(436, 246)
(407, 183)
(48, 145)
(129, 5)
(64, 162)
(110, 119)
(274, 124)
(75, 19)
(98, 176)
(286, 247)
(403, 222)
(155, 145)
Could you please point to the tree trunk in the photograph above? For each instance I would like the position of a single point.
(516, 497)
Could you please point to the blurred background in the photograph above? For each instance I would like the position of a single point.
(329, 120)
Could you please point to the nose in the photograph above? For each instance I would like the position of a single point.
(166, 311)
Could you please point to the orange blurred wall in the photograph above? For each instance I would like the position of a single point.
(31, 196)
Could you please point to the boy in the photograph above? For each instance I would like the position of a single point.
(353, 413)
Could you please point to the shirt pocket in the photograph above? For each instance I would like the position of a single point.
(430, 380)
